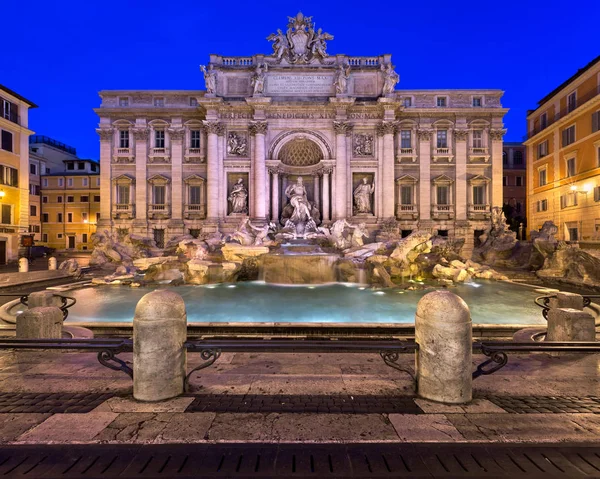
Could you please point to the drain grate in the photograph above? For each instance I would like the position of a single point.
(547, 404)
(50, 402)
(300, 460)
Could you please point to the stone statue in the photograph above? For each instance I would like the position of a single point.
(239, 198)
(262, 232)
(341, 79)
(318, 45)
(391, 78)
(362, 197)
(359, 232)
(300, 214)
(210, 78)
(280, 44)
(337, 234)
(236, 144)
(258, 79)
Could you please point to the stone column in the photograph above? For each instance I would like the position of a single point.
(223, 193)
(212, 170)
(177, 191)
(317, 199)
(425, 173)
(325, 212)
(341, 172)
(496, 136)
(386, 131)
(275, 195)
(259, 170)
(460, 137)
(141, 136)
(106, 135)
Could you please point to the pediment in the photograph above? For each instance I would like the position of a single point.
(123, 179)
(442, 179)
(159, 179)
(479, 179)
(407, 179)
(196, 179)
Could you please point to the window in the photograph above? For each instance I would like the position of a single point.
(159, 139)
(442, 139)
(84, 217)
(34, 190)
(70, 182)
(504, 158)
(97, 181)
(6, 142)
(69, 217)
(194, 195)
(570, 167)
(518, 157)
(159, 102)
(123, 194)
(84, 199)
(158, 195)
(597, 193)
(405, 139)
(45, 218)
(193, 101)
(70, 165)
(81, 165)
(406, 195)
(96, 198)
(123, 138)
(93, 167)
(45, 182)
(44, 199)
(45, 238)
(441, 101)
(519, 181)
(84, 238)
(542, 177)
(568, 136)
(59, 199)
(70, 199)
(542, 149)
(195, 139)
(543, 121)
(6, 214)
(11, 176)
(479, 195)
(407, 102)
(572, 101)
(97, 217)
(542, 205)
(570, 199)
(505, 181)
(596, 121)
(477, 101)
(32, 169)
(10, 111)
(61, 182)
(59, 217)
(442, 195)
(84, 181)
(32, 210)
(59, 236)
(123, 101)
(477, 138)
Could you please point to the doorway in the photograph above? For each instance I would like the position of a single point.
(71, 240)
(2, 252)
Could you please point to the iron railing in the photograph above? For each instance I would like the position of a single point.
(544, 302)
(67, 302)
(49, 141)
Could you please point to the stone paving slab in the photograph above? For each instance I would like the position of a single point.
(69, 428)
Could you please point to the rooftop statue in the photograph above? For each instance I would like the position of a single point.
(210, 78)
(390, 80)
(300, 43)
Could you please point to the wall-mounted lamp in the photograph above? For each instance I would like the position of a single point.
(585, 190)
(2, 193)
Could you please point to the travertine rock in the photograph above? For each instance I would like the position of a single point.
(237, 253)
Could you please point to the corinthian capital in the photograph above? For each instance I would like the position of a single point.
(141, 133)
(386, 128)
(425, 134)
(105, 133)
(497, 133)
(258, 127)
(213, 127)
(176, 134)
(342, 127)
(461, 134)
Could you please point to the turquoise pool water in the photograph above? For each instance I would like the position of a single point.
(490, 303)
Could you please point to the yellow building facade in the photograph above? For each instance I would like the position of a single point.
(563, 158)
(70, 205)
(14, 172)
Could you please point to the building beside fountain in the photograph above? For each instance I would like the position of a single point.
(300, 138)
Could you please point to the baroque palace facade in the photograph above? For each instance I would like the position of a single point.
(178, 162)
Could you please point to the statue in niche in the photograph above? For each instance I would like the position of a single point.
(362, 197)
(300, 215)
(391, 78)
(363, 145)
(341, 79)
(258, 79)
(236, 144)
(239, 198)
(210, 78)
(299, 201)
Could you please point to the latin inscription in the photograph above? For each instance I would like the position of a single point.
(299, 85)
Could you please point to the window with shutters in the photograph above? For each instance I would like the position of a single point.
(596, 121)
(568, 136)
(194, 195)
(123, 194)
(570, 199)
(572, 101)
(406, 195)
(6, 141)
(542, 149)
(442, 195)
(570, 167)
(542, 205)
(158, 194)
(6, 214)
(479, 195)
(542, 180)
(543, 121)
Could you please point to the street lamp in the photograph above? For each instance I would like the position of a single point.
(2, 193)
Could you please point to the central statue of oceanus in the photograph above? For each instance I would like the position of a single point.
(300, 215)
(300, 43)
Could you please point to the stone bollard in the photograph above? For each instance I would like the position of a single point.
(159, 355)
(40, 323)
(444, 335)
(52, 264)
(23, 265)
(567, 300)
(42, 299)
(568, 324)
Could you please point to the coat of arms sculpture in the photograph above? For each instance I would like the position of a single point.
(300, 43)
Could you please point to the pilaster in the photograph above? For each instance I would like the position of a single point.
(212, 171)
(460, 138)
(425, 135)
(386, 131)
(141, 135)
(177, 196)
(106, 135)
(342, 129)
(496, 136)
(258, 168)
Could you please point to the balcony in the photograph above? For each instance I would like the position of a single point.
(158, 212)
(479, 154)
(442, 153)
(123, 211)
(193, 155)
(159, 155)
(407, 212)
(478, 212)
(12, 116)
(194, 212)
(123, 155)
(406, 154)
(440, 212)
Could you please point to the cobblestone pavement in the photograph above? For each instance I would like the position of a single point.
(67, 397)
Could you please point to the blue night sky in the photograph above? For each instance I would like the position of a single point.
(64, 52)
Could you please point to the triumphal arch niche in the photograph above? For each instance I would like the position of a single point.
(301, 136)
